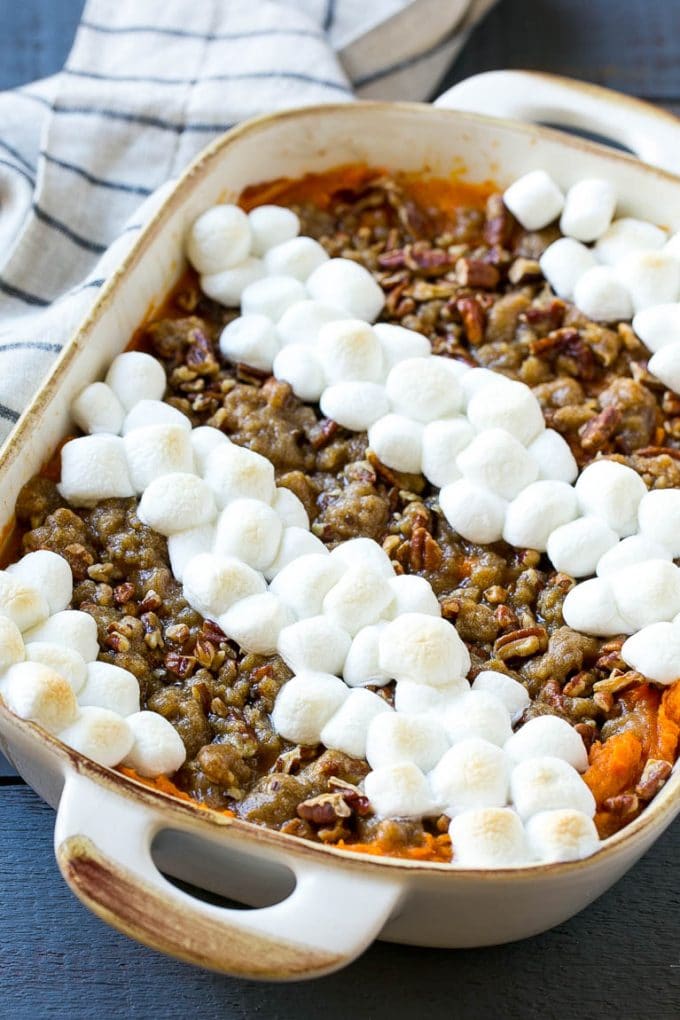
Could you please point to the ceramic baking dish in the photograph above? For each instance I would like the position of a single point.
(316, 908)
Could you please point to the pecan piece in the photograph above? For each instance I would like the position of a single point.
(618, 681)
(181, 665)
(324, 809)
(523, 270)
(123, 593)
(474, 319)
(151, 602)
(476, 273)
(623, 804)
(498, 225)
(597, 432)
(353, 796)
(520, 644)
(425, 553)
(654, 775)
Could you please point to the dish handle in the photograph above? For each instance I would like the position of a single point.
(103, 844)
(650, 133)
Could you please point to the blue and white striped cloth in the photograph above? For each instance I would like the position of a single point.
(148, 83)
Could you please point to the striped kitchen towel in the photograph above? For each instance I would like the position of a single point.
(85, 156)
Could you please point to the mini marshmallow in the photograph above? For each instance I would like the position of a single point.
(534, 200)
(647, 592)
(591, 608)
(251, 340)
(413, 594)
(295, 542)
(496, 461)
(477, 379)
(350, 350)
(539, 510)
(612, 492)
(135, 376)
(398, 344)
(399, 791)
(154, 412)
(177, 502)
(563, 263)
(422, 648)
(344, 282)
(655, 652)
(184, 545)
(394, 738)
(271, 225)
(490, 837)
(304, 583)
(443, 440)
(249, 529)
(290, 509)
(70, 628)
(553, 456)
(256, 622)
(157, 450)
(65, 661)
(204, 440)
(665, 365)
(658, 326)
(546, 784)
(227, 286)
(94, 468)
(354, 405)
(98, 409)
(36, 692)
(101, 735)
(212, 584)
(548, 735)
(601, 295)
(363, 551)
(362, 665)
(300, 324)
(588, 209)
(347, 729)
(478, 714)
(272, 296)
(625, 236)
(507, 405)
(418, 388)
(659, 518)
(11, 644)
(576, 548)
(361, 597)
(300, 367)
(315, 644)
(651, 277)
(22, 603)
(235, 472)
(157, 748)
(636, 549)
(50, 573)
(473, 773)
(299, 258)
(218, 239)
(305, 704)
(563, 835)
(397, 442)
(672, 245)
(511, 692)
(418, 699)
(111, 687)
(475, 513)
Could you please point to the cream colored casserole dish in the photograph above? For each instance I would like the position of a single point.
(317, 908)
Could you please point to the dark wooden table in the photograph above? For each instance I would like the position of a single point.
(621, 958)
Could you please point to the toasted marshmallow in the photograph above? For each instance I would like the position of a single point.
(49, 573)
(651, 277)
(473, 773)
(177, 502)
(511, 692)
(250, 339)
(62, 660)
(94, 468)
(477, 379)
(218, 239)
(361, 597)
(443, 440)
(271, 225)
(157, 450)
(157, 748)
(398, 344)
(548, 735)
(154, 412)
(540, 509)
(601, 294)
(228, 285)
(111, 687)
(135, 376)
(298, 257)
(11, 644)
(591, 608)
(102, 735)
(315, 644)
(362, 665)
(363, 551)
(534, 200)
(299, 366)
(659, 518)
(71, 628)
(36, 692)
(398, 442)
(184, 545)
(98, 409)
(235, 472)
(413, 594)
(576, 548)
(204, 440)
(553, 456)
(422, 648)
(249, 529)
(399, 791)
(22, 603)
(475, 513)
(588, 209)
(563, 263)
(305, 704)
(290, 509)
(655, 652)
(347, 729)
(418, 699)
(612, 492)
(546, 784)
(507, 405)
(496, 461)
(212, 584)
(303, 584)
(636, 549)
(647, 593)
(272, 296)
(658, 326)
(563, 835)
(349, 350)
(478, 714)
(354, 405)
(488, 837)
(256, 622)
(344, 282)
(665, 365)
(627, 235)
(418, 388)
(301, 322)
(394, 738)
(295, 542)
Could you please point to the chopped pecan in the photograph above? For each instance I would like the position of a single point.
(79, 559)
(123, 593)
(496, 594)
(212, 632)
(201, 693)
(546, 316)
(117, 642)
(520, 644)
(323, 432)
(450, 608)
(177, 633)
(357, 800)
(580, 684)
(324, 809)
(654, 775)
(506, 617)
(477, 274)
(473, 318)
(623, 805)
(181, 665)
(499, 223)
(596, 433)
(100, 571)
(618, 682)
(610, 660)
(425, 553)
(204, 652)
(150, 602)
(522, 270)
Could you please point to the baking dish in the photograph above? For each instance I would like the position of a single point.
(316, 908)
